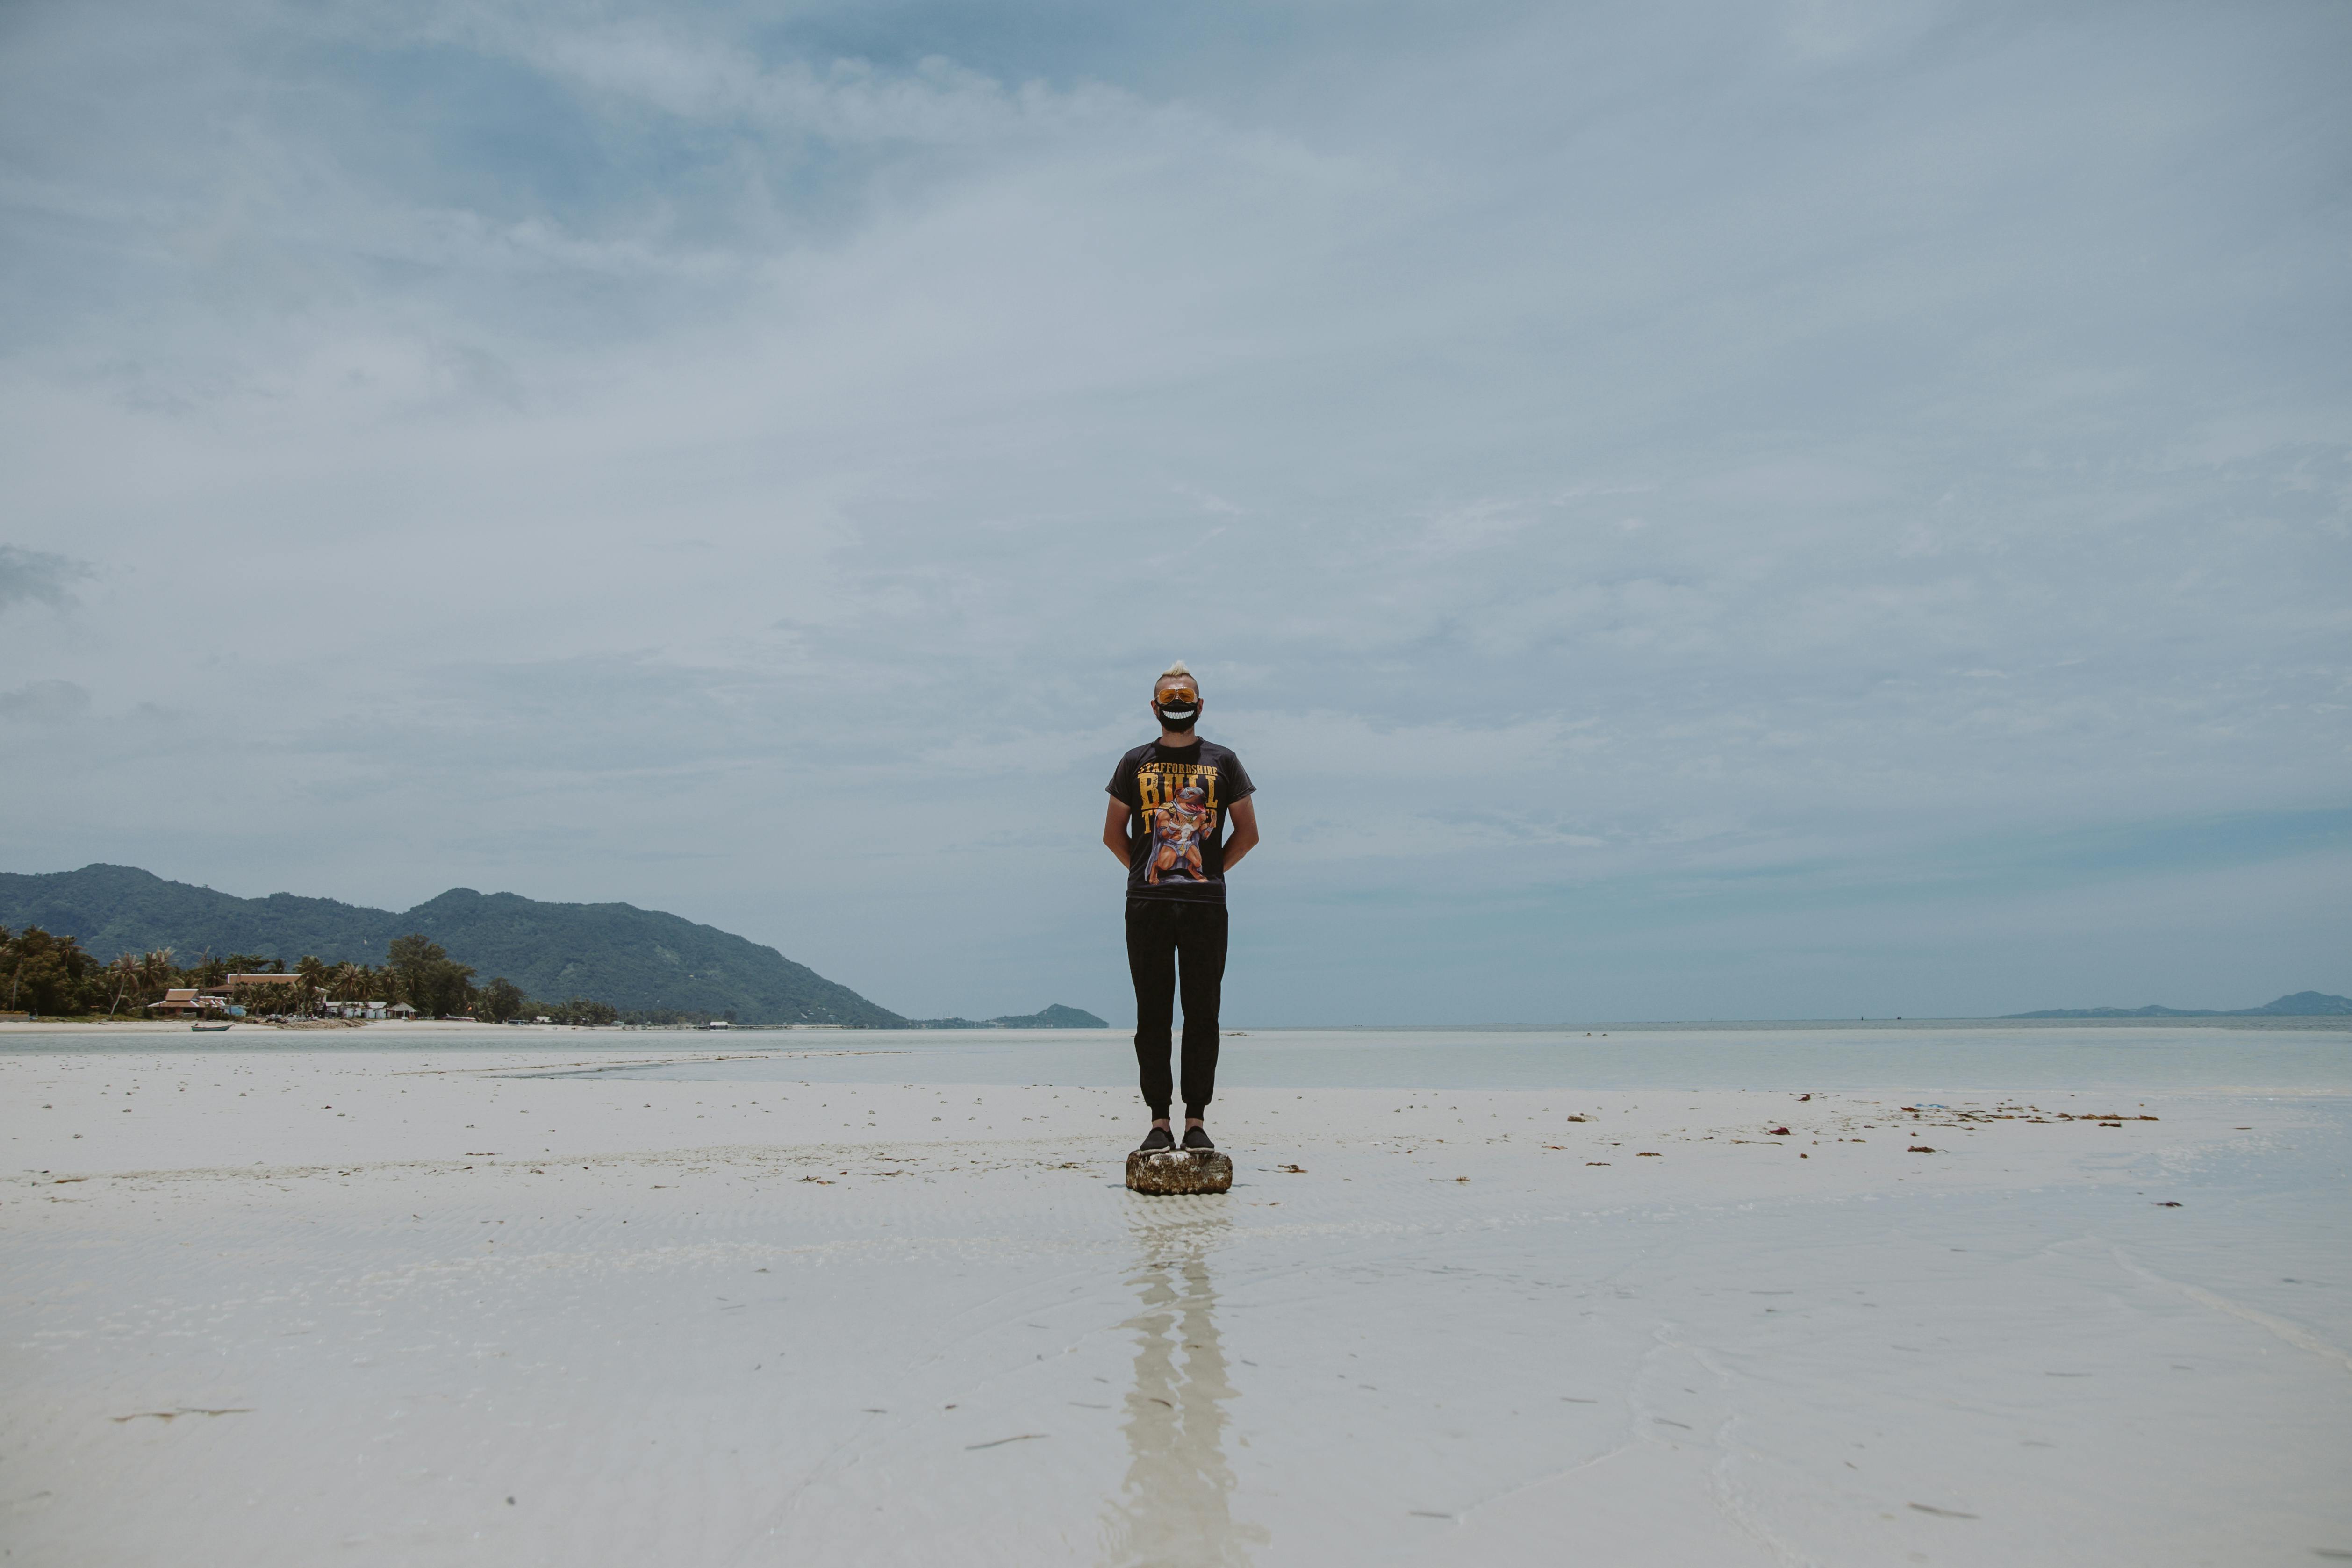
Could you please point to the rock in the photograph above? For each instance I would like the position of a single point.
(1180, 1171)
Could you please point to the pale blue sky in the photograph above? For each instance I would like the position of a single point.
(1688, 510)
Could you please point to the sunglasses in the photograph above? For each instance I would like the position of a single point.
(1177, 696)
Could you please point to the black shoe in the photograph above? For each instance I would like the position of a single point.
(1156, 1139)
(1197, 1138)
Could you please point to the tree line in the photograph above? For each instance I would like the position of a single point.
(51, 974)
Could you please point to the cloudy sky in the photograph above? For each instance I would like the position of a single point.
(1693, 510)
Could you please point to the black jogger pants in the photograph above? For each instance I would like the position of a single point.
(1164, 936)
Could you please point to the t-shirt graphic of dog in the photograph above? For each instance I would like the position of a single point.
(1177, 828)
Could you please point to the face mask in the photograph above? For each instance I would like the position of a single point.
(1178, 719)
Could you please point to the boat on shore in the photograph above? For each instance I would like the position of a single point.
(206, 1027)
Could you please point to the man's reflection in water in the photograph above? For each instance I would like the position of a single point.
(1175, 1508)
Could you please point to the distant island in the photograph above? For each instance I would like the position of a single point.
(111, 940)
(2302, 1005)
(1054, 1017)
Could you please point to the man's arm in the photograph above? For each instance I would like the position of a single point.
(1241, 816)
(1114, 831)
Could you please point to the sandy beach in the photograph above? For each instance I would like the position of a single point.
(540, 1305)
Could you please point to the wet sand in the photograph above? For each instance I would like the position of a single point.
(417, 1307)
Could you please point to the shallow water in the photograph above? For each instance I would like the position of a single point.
(2301, 1057)
(2150, 1060)
(1013, 1361)
(1415, 1334)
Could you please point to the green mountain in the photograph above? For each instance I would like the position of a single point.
(634, 959)
(2302, 1005)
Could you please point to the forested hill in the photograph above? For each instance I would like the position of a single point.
(2301, 1005)
(635, 959)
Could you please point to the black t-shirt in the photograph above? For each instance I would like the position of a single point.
(1179, 796)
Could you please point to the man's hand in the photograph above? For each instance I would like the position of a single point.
(1241, 816)
(1115, 821)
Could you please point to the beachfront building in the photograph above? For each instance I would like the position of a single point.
(192, 1001)
(370, 1011)
(187, 1001)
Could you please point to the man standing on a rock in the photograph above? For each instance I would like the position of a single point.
(1169, 801)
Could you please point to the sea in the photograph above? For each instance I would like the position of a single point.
(2284, 1055)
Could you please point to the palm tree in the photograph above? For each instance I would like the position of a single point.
(314, 981)
(156, 973)
(126, 977)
